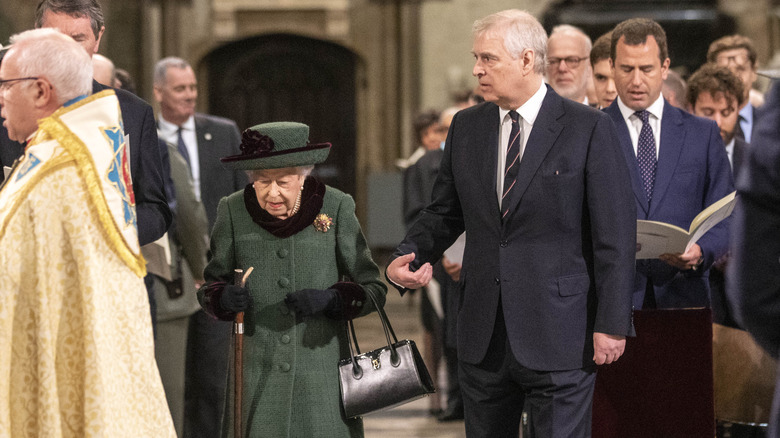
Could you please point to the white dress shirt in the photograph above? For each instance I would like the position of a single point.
(170, 133)
(634, 123)
(528, 112)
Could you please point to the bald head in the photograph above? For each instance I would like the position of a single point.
(103, 70)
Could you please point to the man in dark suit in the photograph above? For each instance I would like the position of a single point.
(82, 20)
(677, 162)
(738, 53)
(754, 270)
(716, 93)
(539, 184)
(201, 140)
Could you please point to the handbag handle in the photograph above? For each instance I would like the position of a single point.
(395, 360)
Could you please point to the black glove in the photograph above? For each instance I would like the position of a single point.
(235, 298)
(309, 302)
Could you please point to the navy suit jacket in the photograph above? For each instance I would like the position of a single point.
(754, 268)
(562, 261)
(693, 172)
(146, 168)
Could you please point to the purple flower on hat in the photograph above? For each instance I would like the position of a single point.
(255, 144)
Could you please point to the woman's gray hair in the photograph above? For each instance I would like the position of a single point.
(520, 31)
(52, 55)
(299, 170)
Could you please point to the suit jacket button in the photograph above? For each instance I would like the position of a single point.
(498, 282)
(503, 244)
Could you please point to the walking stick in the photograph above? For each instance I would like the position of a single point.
(239, 279)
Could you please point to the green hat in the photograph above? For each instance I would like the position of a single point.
(277, 145)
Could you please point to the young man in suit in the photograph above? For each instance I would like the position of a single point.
(677, 162)
(82, 20)
(539, 184)
(738, 53)
(716, 93)
(201, 140)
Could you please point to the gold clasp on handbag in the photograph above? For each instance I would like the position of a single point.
(376, 364)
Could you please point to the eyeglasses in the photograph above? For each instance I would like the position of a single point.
(740, 60)
(6, 84)
(571, 61)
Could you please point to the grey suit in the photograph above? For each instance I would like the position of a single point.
(188, 244)
(208, 339)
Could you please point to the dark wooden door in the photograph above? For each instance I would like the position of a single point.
(284, 77)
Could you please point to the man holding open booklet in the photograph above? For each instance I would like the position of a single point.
(678, 167)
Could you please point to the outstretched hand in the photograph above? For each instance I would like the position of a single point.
(398, 271)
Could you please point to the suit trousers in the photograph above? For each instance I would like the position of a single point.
(497, 390)
(170, 349)
(208, 350)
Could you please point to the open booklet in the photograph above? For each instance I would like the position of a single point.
(656, 238)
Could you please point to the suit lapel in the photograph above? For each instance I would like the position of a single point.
(629, 154)
(486, 153)
(671, 145)
(543, 134)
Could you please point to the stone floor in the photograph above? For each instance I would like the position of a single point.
(410, 420)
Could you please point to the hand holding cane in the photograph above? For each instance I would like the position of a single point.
(239, 279)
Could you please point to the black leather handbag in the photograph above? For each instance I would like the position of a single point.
(383, 378)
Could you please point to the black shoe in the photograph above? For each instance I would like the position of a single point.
(451, 415)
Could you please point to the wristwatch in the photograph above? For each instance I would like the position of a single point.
(698, 264)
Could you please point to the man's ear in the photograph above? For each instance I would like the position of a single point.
(97, 41)
(528, 58)
(43, 93)
(157, 93)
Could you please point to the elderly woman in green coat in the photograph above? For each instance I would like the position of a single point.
(312, 271)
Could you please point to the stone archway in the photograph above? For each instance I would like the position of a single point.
(283, 77)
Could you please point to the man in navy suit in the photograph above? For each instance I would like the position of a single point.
(82, 20)
(754, 269)
(540, 186)
(201, 140)
(716, 93)
(677, 162)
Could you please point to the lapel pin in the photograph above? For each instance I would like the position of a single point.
(207, 136)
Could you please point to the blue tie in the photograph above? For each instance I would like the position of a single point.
(645, 154)
(512, 165)
(182, 148)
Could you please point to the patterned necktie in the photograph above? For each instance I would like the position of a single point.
(645, 154)
(513, 151)
(182, 148)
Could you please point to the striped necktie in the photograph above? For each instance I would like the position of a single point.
(513, 152)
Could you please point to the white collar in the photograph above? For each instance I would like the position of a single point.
(530, 109)
(656, 108)
(167, 126)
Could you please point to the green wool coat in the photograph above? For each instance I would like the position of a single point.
(291, 382)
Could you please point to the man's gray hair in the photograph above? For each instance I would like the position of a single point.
(162, 66)
(568, 29)
(52, 55)
(520, 31)
(73, 8)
